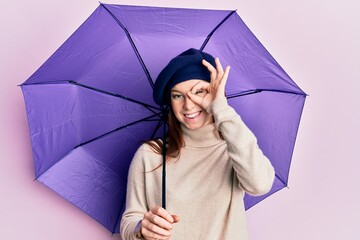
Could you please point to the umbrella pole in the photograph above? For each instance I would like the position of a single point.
(164, 158)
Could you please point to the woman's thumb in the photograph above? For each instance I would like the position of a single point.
(176, 218)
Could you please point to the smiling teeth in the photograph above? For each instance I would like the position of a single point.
(193, 115)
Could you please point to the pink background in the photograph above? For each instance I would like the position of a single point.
(315, 41)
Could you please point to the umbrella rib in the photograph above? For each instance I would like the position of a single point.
(132, 44)
(156, 129)
(262, 90)
(114, 130)
(213, 31)
(149, 107)
(283, 182)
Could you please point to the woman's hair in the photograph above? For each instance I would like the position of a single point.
(174, 139)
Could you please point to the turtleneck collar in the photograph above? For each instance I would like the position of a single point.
(205, 136)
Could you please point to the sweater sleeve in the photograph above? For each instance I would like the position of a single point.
(136, 205)
(253, 169)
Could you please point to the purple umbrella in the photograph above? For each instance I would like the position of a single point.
(90, 105)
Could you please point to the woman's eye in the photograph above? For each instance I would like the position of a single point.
(200, 92)
(176, 96)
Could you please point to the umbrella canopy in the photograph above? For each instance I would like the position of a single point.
(90, 105)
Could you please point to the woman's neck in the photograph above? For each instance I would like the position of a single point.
(205, 136)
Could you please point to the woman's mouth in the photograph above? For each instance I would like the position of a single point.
(192, 115)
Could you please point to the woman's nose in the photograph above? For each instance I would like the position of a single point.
(189, 104)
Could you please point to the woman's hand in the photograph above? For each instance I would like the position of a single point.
(158, 223)
(213, 90)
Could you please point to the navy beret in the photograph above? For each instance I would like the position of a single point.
(188, 65)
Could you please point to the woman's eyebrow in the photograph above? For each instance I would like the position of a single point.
(174, 90)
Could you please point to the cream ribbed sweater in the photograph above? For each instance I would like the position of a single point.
(205, 187)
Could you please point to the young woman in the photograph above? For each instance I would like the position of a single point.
(213, 159)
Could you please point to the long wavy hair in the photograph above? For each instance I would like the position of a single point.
(174, 139)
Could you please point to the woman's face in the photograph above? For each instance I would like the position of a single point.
(188, 113)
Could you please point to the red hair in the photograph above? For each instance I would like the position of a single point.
(174, 140)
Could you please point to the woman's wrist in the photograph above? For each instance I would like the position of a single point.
(217, 104)
(137, 231)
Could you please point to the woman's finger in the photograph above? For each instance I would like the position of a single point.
(212, 70)
(154, 229)
(162, 213)
(208, 65)
(150, 234)
(224, 78)
(219, 67)
(157, 220)
(201, 85)
(176, 218)
(195, 98)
